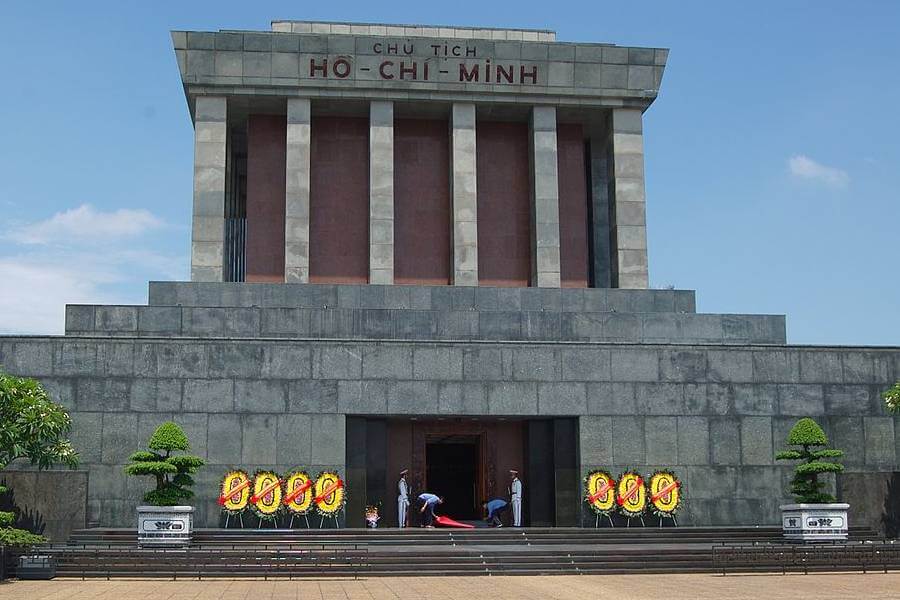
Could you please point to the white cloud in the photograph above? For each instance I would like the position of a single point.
(804, 167)
(78, 256)
(36, 292)
(85, 223)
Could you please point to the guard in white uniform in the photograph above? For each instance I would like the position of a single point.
(515, 497)
(402, 498)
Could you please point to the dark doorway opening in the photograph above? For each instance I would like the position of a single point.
(451, 471)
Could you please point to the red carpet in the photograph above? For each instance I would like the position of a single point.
(448, 522)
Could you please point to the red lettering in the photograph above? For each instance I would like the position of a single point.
(341, 68)
(313, 67)
(466, 75)
(532, 75)
(404, 70)
(385, 75)
(507, 75)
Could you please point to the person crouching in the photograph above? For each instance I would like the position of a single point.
(429, 501)
(493, 509)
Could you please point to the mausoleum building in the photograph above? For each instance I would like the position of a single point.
(425, 247)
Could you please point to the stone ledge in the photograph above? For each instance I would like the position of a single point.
(463, 298)
(424, 325)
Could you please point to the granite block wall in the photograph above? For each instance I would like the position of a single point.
(715, 414)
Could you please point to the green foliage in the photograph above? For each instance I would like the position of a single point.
(891, 398)
(154, 466)
(806, 486)
(6, 518)
(172, 472)
(807, 432)
(19, 537)
(168, 437)
(788, 455)
(32, 426)
(828, 453)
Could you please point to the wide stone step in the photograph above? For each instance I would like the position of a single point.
(418, 297)
(413, 324)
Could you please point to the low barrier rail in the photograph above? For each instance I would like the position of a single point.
(882, 555)
(203, 561)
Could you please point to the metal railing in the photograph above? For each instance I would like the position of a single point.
(870, 555)
(204, 561)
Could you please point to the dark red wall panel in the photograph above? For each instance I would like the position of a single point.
(573, 213)
(421, 202)
(266, 147)
(339, 201)
(504, 203)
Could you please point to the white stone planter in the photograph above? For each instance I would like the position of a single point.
(165, 525)
(814, 522)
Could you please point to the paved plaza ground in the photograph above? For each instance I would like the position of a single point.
(589, 587)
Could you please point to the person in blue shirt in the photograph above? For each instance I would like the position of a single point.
(494, 508)
(429, 501)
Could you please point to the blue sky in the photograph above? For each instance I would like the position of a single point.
(772, 153)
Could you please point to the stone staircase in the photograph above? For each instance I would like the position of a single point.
(109, 553)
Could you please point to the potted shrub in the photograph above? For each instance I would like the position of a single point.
(816, 516)
(166, 520)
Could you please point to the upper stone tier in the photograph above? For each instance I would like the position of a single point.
(405, 30)
(407, 63)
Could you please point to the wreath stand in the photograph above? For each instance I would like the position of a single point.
(240, 516)
(305, 518)
(597, 520)
(274, 519)
(667, 516)
(641, 517)
(333, 517)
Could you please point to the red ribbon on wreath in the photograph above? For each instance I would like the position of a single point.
(233, 492)
(606, 487)
(629, 494)
(297, 491)
(329, 490)
(263, 493)
(665, 491)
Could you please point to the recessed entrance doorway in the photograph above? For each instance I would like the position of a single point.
(466, 460)
(452, 470)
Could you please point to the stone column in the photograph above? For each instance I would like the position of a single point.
(544, 198)
(208, 231)
(381, 192)
(296, 204)
(626, 192)
(463, 194)
(600, 234)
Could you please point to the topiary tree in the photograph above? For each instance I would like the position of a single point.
(891, 398)
(808, 436)
(172, 471)
(34, 428)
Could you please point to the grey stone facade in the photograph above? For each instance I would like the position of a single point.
(268, 375)
(253, 391)
(461, 74)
